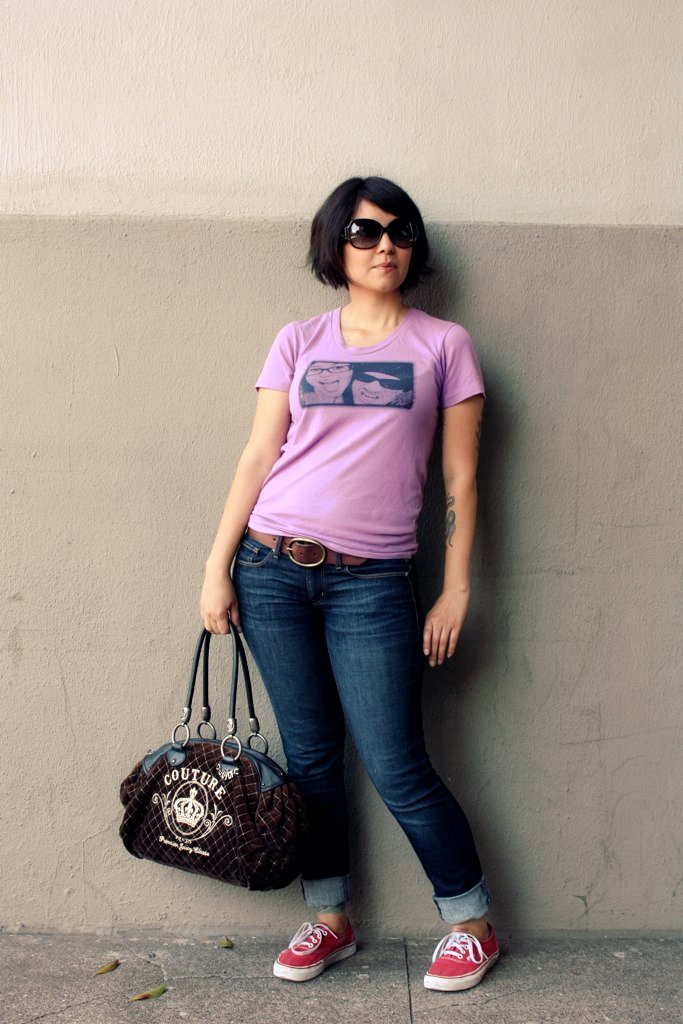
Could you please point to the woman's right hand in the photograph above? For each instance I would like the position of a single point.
(218, 602)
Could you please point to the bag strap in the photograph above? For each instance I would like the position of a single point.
(238, 657)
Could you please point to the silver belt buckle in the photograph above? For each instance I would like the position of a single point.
(306, 540)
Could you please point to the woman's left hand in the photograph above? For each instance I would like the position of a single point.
(443, 624)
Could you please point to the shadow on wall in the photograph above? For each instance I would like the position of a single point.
(462, 687)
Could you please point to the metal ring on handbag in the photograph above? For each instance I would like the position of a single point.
(185, 726)
(210, 725)
(306, 540)
(237, 740)
(252, 735)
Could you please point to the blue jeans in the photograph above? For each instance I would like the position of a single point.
(340, 644)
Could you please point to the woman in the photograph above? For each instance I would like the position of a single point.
(321, 518)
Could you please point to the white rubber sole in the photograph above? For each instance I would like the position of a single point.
(305, 973)
(458, 984)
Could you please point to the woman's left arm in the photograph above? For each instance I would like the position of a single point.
(460, 454)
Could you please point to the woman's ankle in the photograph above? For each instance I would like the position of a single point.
(336, 921)
(479, 927)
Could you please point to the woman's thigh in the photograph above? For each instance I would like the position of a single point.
(285, 634)
(373, 627)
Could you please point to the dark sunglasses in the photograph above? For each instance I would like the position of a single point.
(391, 385)
(364, 233)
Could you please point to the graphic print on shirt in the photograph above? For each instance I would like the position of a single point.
(356, 383)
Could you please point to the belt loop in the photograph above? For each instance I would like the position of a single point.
(278, 545)
(337, 560)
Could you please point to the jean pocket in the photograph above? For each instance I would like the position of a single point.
(252, 552)
(375, 568)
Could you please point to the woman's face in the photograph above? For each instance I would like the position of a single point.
(361, 266)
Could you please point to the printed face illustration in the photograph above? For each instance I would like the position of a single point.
(328, 380)
(376, 388)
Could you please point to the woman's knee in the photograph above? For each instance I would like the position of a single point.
(314, 760)
(406, 785)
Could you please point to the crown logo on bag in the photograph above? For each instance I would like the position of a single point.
(187, 810)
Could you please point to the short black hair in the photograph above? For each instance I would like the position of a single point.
(326, 244)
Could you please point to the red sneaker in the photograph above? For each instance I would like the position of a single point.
(460, 961)
(313, 948)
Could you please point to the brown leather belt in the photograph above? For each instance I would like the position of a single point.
(304, 550)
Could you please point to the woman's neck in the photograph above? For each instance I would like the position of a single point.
(373, 314)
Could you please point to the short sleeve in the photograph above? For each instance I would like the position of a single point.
(461, 374)
(278, 369)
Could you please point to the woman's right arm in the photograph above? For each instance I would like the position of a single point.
(269, 432)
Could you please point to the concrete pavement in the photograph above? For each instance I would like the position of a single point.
(577, 979)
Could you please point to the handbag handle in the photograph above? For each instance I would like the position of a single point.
(238, 655)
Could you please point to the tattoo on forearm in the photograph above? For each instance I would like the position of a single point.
(450, 517)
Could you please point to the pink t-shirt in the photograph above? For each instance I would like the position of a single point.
(352, 470)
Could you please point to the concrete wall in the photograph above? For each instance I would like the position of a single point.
(130, 346)
(488, 110)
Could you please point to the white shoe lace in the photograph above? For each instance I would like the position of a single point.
(460, 944)
(308, 937)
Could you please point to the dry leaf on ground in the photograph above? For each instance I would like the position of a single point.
(107, 968)
(151, 993)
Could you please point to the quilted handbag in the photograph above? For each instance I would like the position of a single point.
(216, 807)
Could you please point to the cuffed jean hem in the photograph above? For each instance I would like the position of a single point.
(473, 903)
(326, 892)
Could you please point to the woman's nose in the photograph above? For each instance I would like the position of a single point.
(385, 243)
